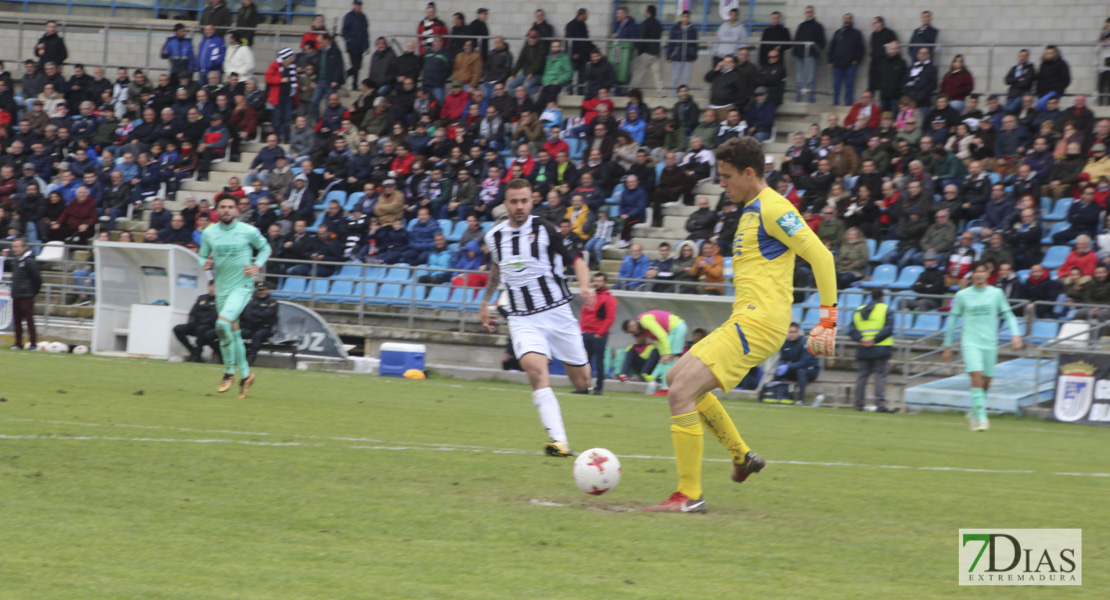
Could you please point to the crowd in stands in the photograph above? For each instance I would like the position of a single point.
(413, 169)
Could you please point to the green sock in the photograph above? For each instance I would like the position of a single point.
(240, 354)
(978, 403)
(227, 347)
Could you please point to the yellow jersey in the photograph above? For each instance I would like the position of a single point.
(770, 234)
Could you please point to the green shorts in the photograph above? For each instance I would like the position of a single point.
(231, 304)
(979, 359)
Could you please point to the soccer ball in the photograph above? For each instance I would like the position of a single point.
(80, 349)
(57, 348)
(597, 471)
(41, 346)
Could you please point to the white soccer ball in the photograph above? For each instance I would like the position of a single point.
(41, 346)
(80, 349)
(597, 471)
(57, 348)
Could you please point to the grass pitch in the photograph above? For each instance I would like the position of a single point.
(134, 479)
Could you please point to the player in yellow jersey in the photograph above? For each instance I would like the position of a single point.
(770, 234)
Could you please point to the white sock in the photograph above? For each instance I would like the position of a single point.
(550, 414)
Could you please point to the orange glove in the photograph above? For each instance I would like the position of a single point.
(822, 338)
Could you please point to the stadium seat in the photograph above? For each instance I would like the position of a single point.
(1004, 333)
(882, 276)
(617, 192)
(361, 291)
(410, 225)
(659, 169)
(1044, 331)
(577, 146)
(438, 297)
(291, 288)
(885, 248)
(925, 324)
(812, 300)
(614, 212)
(978, 246)
(907, 278)
(811, 318)
(445, 226)
(1056, 228)
(386, 294)
(374, 273)
(1074, 333)
(399, 274)
(1023, 275)
(851, 300)
(339, 196)
(796, 314)
(977, 223)
(341, 290)
(903, 322)
(316, 223)
(994, 177)
(844, 317)
(872, 245)
(457, 231)
(352, 200)
(453, 247)
(318, 289)
(1055, 257)
(487, 225)
(408, 295)
(52, 251)
(1059, 211)
(350, 271)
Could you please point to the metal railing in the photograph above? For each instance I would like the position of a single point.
(283, 9)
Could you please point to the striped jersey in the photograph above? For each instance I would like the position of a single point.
(531, 259)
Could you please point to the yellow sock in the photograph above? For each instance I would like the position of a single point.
(717, 421)
(687, 437)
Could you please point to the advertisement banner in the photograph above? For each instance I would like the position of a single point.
(1083, 389)
(314, 336)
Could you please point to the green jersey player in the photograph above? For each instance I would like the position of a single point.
(980, 305)
(228, 248)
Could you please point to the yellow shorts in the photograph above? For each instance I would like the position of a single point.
(738, 346)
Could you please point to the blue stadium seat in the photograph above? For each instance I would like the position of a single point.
(659, 169)
(360, 291)
(445, 226)
(980, 223)
(352, 200)
(1056, 228)
(872, 245)
(341, 290)
(403, 275)
(1004, 333)
(925, 324)
(577, 146)
(316, 223)
(907, 278)
(844, 317)
(812, 300)
(1060, 211)
(1046, 205)
(408, 295)
(291, 288)
(885, 248)
(457, 231)
(410, 225)
(851, 300)
(438, 297)
(386, 294)
(978, 246)
(994, 177)
(903, 322)
(350, 271)
(1055, 257)
(1044, 331)
(617, 192)
(614, 212)
(339, 196)
(374, 273)
(811, 317)
(453, 247)
(487, 225)
(882, 276)
(318, 289)
(796, 314)
(1023, 275)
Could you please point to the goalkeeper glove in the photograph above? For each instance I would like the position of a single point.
(781, 370)
(822, 338)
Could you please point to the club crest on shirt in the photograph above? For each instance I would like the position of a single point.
(790, 224)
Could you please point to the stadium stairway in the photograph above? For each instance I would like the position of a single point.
(1015, 386)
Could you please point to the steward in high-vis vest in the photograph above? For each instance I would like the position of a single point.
(873, 329)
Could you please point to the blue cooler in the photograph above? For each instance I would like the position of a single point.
(556, 368)
(398, 358)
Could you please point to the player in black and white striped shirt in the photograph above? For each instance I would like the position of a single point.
(529, 257)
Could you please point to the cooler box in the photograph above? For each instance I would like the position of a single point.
(398, 358)
(556, 368)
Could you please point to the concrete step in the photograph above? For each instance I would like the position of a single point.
(679, 210)
(236, 167)
(211, 187)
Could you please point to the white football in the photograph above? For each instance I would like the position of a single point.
(80, 349)
(597, 471)
(42, 346)
(57, 348)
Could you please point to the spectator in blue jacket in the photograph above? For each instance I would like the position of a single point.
(682, 51)
(266, 160)
(178, 50)
(422, 237)
(1083, 218)
(796, 363)
(330, 75)
(210, 52)
(356, 36)
(632, 206)
(634, 125)
(441, 257)
(323, 248)
(437, 70)
(760, 115)
(150, 179)
(846, 50)
(471, 258)
(634, 266)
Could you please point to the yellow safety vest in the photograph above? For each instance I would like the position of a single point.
(870, 327)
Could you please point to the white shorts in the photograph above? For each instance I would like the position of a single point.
(553, 333)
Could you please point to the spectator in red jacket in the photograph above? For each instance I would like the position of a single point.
(596, 320)
(77, 222)
(1081, 258)
(957, 83)
(429, 28)
(455, 103)
(867, 106)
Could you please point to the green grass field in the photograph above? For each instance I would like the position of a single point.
(134, 479)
